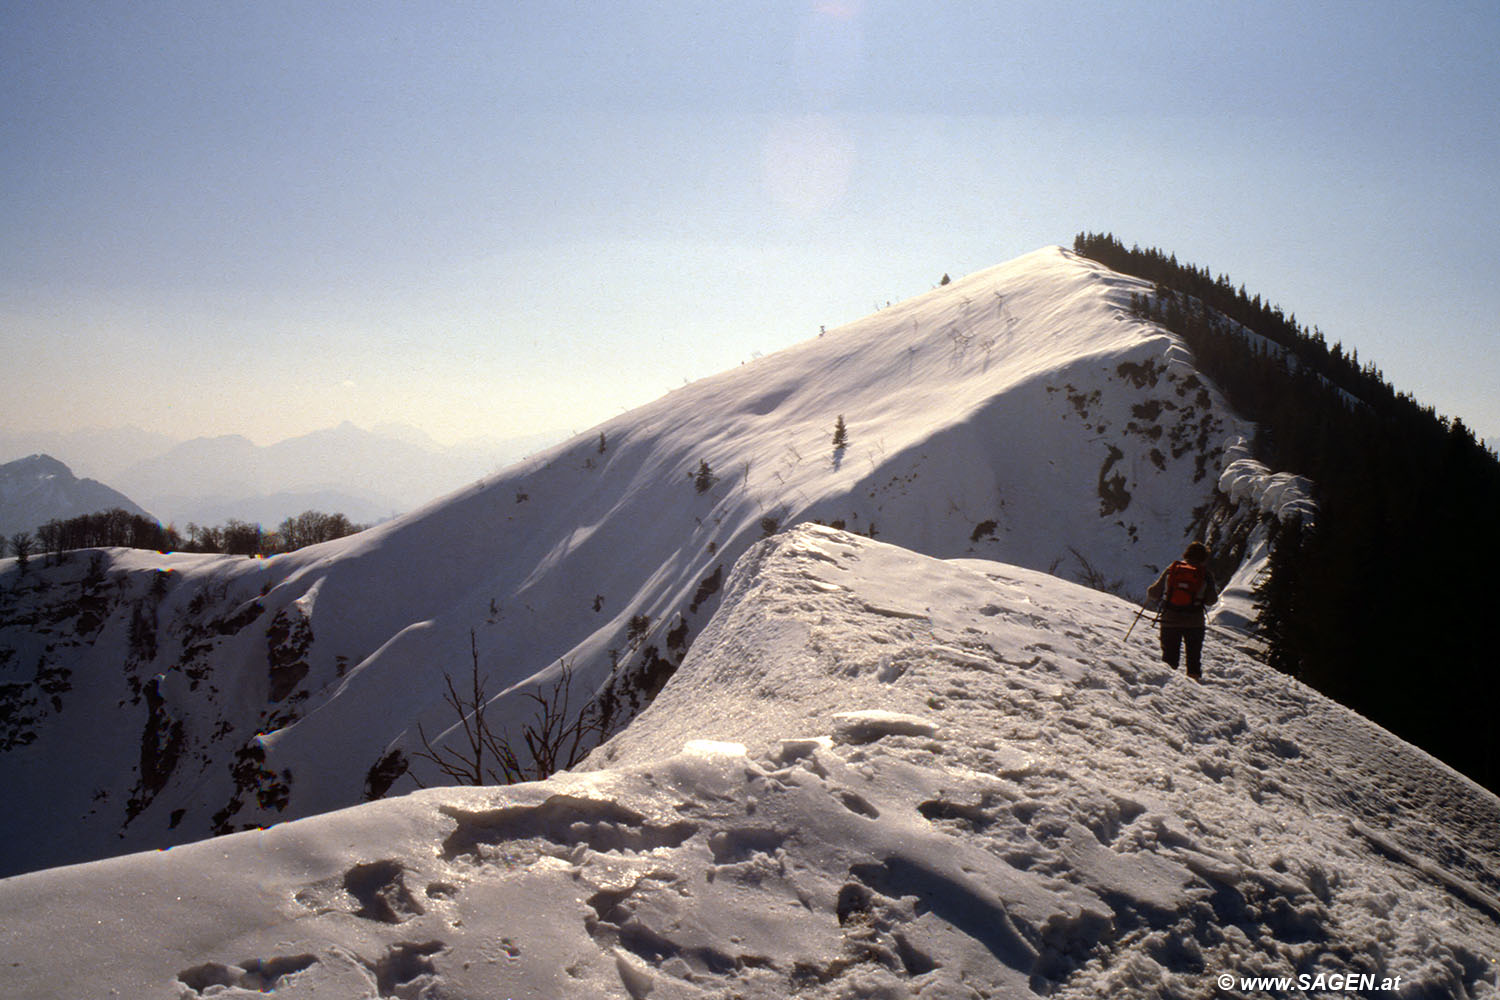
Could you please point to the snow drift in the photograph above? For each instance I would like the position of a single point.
(877, 774)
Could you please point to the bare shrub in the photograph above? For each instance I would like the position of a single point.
(552, 739)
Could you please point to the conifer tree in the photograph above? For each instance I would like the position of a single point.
(704, 478)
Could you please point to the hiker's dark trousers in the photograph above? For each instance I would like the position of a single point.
(1172, 641)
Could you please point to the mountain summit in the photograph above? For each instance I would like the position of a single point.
(39, 489)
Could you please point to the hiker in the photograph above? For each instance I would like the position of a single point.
(1183, 591)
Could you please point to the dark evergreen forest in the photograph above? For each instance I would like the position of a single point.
(1383, 604)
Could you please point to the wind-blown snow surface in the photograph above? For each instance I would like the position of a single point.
(876, 775)
(1020, 413)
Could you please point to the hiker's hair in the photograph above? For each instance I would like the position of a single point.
(1197, 553)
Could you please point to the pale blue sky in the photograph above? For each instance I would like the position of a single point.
(489, 219)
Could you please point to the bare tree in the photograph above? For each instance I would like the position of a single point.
(242, 538)
(313, 526)
(20, 544)
(465, 766)
(553, 738)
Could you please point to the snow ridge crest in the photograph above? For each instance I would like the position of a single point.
(1021, 414)
(876, 773)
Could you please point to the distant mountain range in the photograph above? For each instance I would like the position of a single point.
(39, 488)
(369, 475)
(101, 453)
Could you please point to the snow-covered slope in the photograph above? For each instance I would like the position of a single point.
(1019, 414)
(876, 775)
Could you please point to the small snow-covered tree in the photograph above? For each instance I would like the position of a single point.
(704, 478)
(840, 434)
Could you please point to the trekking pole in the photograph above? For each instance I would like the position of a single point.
(1138, 615)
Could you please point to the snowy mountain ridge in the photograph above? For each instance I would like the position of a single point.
(1020, 413)
(876, 774)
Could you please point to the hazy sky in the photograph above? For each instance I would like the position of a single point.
(495, 218)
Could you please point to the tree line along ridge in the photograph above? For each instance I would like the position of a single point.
(118, 528)
(1382, 604)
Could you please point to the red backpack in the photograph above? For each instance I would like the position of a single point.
(1184, 584)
